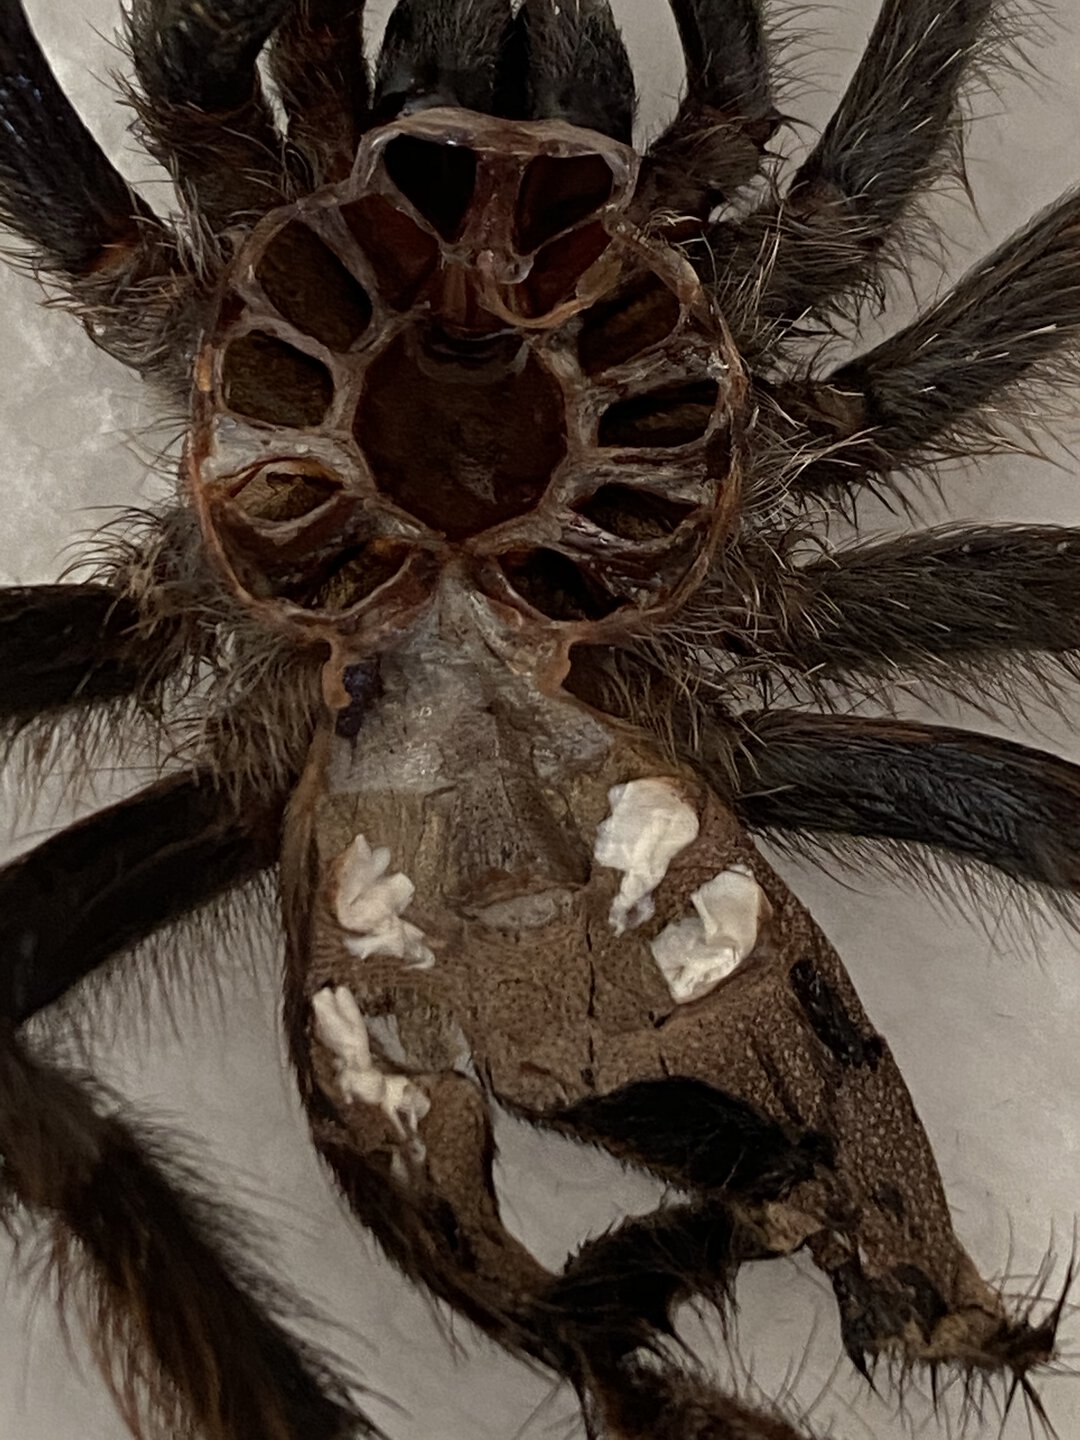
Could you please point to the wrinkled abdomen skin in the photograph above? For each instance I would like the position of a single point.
(770, 1090)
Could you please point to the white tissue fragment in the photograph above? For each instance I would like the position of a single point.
(341, 1027)
(369, 905)
(649, 823)
(695, 954)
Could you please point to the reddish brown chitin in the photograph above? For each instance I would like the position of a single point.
(466, 359)
(457, 415)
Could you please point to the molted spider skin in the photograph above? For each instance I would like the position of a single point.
(499, 536)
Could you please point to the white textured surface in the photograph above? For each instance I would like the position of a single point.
(648, 824)
(695, 953)
(985, 1027)
(370, 904)
(340, 1026)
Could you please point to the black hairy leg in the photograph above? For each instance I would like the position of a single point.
(320, 69)
(201, 104)
(102, 885)
(82, 224)
(935, 390)
(897, 129)
(186, 1328)
(783, 626)
(716, 142)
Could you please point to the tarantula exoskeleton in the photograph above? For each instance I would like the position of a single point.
(494, 610)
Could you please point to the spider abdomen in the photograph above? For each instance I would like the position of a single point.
(494, 892)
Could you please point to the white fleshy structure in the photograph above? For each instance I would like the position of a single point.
(340, 1025)
(369, 907)
(695, 954)
(648, 824)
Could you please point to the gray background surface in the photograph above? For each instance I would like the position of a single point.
(983, 1018)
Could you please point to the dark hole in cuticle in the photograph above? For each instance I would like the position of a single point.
(634, 514)
(358, 574)
(641, 315)
(671, 415)
(277, 496)
(309, 286)
(558, 267)
(332, 579)
(438, 179)
(402, 255)
(265, 379)
(460, 457)
(552, 584)
(558, 192)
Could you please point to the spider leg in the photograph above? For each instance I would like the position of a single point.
(441, 52)
(201, 108)
(981, 608)
(897, 129)
(622, 1288)
(187, 1329)
(968, 795)
(577, 68)
(1009, 329)
(317, 61)
(727, 117)
(99, 886)
(69, 645)
(83, 224)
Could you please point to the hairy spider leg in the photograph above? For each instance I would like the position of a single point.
(976, 610)
(441, 52)
(622, 1288)
(68, 645)
(317, 62)
(201, 107)
(577, 68)
(184, 1323)
(100, 886)
(187, 1328)
(901, 780)
(1009, 329)
(86, 228)
(717, 141)
(895, 131)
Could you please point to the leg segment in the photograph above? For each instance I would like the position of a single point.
(201, 108)
(896, 131)
(441, 52)
(577, 68)
(933, 390)
(103, 884)
(982, 610)
(84, 225)
(972, 796)
(623, 1288)
(317, 61)
(187, 1332)
(727, 117)
(65, 645)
